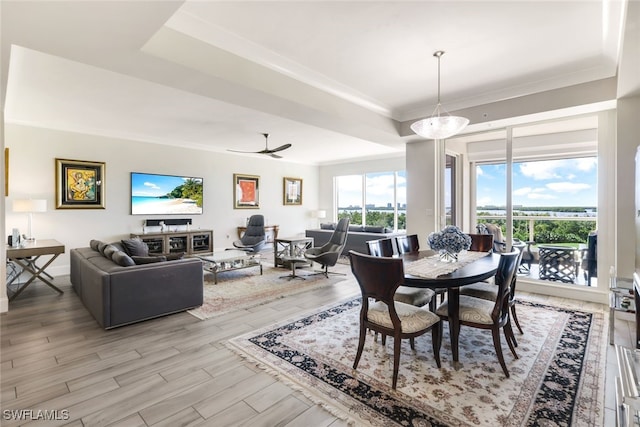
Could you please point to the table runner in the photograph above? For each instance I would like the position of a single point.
(431, 267)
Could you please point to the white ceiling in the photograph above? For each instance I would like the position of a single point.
(336, 79)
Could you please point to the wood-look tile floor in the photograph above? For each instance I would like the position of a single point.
(170, 371)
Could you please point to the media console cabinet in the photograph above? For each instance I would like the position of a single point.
(194, 242)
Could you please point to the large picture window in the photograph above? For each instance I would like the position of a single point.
(378, 199)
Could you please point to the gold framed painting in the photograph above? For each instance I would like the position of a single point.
(291, 191)
(80, 184)
(246, 191)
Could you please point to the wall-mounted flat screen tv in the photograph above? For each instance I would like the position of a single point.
(153, 194)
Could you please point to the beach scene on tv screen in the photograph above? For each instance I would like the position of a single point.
(165, 194)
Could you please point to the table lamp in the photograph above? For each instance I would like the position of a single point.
(320, 214)
(30, 206)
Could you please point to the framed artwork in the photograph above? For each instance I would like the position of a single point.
(80, 184)
(246, 191)
(291, 191)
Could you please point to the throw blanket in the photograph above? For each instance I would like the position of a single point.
(431, 267)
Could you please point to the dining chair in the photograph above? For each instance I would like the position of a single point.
(485, 314)
(380, 247)
(407, 243)
(379, 278)
(488, 291)
(481, 242)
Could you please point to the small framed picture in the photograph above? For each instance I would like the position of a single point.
(292, 191)
(80, 184)
(246, 191)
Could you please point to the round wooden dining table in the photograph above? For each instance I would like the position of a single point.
(476, 271)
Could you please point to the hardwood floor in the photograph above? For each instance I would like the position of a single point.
(169, 371)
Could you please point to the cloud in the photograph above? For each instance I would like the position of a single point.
(152, 185)
(586, 164)
(567, 187)
(522, 191)
(541, 170)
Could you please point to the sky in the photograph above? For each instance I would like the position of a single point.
(566, 182)
(150, 185)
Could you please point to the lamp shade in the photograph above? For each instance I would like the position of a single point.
(30, 205)
(321, 213)
(439, 127)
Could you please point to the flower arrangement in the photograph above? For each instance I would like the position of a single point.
(450, 240)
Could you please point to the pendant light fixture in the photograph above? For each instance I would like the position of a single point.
(439, 126)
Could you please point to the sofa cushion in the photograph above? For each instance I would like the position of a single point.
(174, 256)
(122, 259)
(356, 228)
(135, 247)
(328, 226)
(139, 260)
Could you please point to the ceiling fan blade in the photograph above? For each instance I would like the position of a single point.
(275, 156)
(247, 152)
(282, 147)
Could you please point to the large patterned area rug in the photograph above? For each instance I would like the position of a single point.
(246, 288)
(557, 381)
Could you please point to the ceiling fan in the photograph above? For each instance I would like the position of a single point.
(268, 151)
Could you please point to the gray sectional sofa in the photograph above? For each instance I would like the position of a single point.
(117, 291)
(357, 236)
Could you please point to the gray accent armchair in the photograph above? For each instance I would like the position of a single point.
(254, 237)
(328, 254)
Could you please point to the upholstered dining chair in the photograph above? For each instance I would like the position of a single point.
(254, 236)
(327, 255)
(380, 247)
(407, 243)
(481, 242)
(378, 279)
(408, 295)
(499, 244)
(493, 315)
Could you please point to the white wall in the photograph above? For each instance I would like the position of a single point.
(32, 174)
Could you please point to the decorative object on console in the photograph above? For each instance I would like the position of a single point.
(449, 242)
(437, 126)
(30, 206)
(165, 194)
(246, 191)
(291, 191)
(80, 184)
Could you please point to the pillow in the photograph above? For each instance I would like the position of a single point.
(174, 256)
(122, 259)
(135, 247)
(328, 226)
(94, 244)
(355, 228)
(109, 251)
(101, 246)
(139, 260)
(374, 229)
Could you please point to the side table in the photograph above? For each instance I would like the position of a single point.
(621, 298)
(557, 263)
(290, 247)
(27, 255)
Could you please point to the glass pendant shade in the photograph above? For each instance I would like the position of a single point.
(437, 126)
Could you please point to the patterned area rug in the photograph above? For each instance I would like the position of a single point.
(241, 289)
(557, 381)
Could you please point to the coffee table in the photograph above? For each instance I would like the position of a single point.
(229, 260)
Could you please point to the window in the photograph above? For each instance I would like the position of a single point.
(378, 199)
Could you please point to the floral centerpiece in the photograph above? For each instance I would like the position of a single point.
(449, 242)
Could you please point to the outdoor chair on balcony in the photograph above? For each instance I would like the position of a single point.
(590, 259)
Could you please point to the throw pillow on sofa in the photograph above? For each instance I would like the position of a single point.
(122, 259)
(109, 251)
(135, 247)
(328, 226)
(139, 260)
